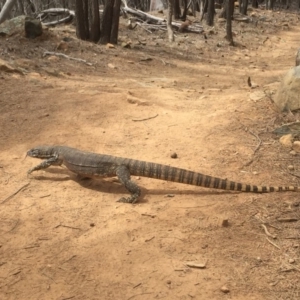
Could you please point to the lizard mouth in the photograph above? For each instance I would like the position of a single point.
(36, 153)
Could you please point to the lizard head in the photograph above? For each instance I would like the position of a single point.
(41, 152)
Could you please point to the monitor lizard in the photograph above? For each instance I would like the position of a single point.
(95, 165)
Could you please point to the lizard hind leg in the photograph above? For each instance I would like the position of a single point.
(124, 177)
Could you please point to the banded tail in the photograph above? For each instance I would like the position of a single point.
(168, 173)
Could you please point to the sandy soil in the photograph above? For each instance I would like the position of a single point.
(65, 238)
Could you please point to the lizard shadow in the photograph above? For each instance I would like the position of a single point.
(113, 186)
(56, 171)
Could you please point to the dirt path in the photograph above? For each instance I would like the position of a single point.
(62, 238)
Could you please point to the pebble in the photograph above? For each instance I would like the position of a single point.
(225, 223)
(291, 167)
(174, 155)
(286, 140)
(225, 289)
(296, 146)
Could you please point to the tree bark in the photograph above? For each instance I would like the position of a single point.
(169, 21)
(115, 22)
(229, 13)
(107, 22)
(244, 7)
(4, 14)
(210, 12)
(176, 8)
(82, 22)
(94, 21)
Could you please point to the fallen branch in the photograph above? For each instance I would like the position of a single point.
(54, 12)
(267, 232)
(256, 148)
(66, 56)
(140, 120)
(150, 19)
(259, 141)
(15, 193)
(273, 243)
(66, 226)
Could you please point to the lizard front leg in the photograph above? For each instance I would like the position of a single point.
(54, 160)
(124, 177)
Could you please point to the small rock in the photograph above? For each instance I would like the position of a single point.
(108, 45)
(174, 155)
(291, 167)
(291, 260)
(64, 46)
(225, 223)
(296, 146)
(286, 140)
(225, 289)
(111, 66)
(293, 152)
(196, 265)
(126, 44)
(33, 28)
(170, 195)
(53, 58)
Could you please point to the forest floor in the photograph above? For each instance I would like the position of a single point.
(64, 238)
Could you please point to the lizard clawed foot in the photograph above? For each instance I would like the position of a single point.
(131, 199)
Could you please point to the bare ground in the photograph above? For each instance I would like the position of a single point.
(62, 238)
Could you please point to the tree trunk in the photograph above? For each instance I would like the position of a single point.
(82, 21)
(6, 9)
(185, 4)
(243, 9)
(115, 22)
(169, 21)
(107, 20)
(210, 12)
(203, 9)
(254, 3)
(176, 8)
(94, 21)
(229, 13)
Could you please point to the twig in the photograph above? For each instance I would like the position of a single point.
(33, 246)
(295, 175)
(273, 243)
(257, 147)
(66, 56)
(259, 140)
(66, 226)
(68, 298)
(267, 232)
(148, 215)
(140, 120)
(15, 193)
(139, 24)
(16, 224)
(44, 196)
(139, 295)
(287, 219)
